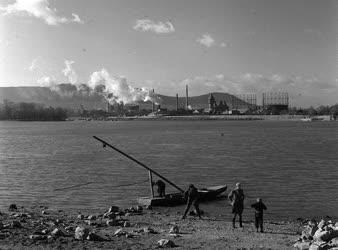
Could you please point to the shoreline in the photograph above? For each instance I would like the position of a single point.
(140, 228)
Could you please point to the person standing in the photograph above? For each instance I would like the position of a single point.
(236, 198)
(192, 197)
(160, 188)
(259, 207)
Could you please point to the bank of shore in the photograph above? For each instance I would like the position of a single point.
(135, 228)
(221, 117)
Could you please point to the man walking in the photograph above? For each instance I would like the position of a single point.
(192, 197)
(236, 198)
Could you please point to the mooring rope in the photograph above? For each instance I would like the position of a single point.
(91, 182)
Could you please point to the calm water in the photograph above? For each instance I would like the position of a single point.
(291, 165)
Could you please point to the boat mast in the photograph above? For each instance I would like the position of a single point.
(141, 164)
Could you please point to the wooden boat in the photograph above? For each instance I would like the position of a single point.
(175, 199)
(206, 194)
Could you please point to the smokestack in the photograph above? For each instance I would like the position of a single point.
(186, 97)
(153, 104)
(176, 102)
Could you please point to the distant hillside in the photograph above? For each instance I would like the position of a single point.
(201, 102)
(69, 99)
(48, 97)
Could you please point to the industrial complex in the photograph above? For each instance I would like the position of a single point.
(215, 103)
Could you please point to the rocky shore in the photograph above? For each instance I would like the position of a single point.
(138, 228)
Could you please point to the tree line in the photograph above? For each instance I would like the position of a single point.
(24, 111)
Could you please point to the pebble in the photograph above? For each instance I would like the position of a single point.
(38, 237)
(91, 217)
(166, 243)
(80, 216)
(81, 233)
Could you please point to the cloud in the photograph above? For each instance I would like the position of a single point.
(69, 72)
(39, 9)
(152, 26)
(206, 40)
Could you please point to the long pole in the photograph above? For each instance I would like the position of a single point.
(138, 162)
(151, 184)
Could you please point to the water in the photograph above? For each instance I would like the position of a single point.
(291, 165)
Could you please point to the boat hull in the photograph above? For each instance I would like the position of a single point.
(175, 199)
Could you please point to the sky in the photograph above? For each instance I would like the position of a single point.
(235, 46)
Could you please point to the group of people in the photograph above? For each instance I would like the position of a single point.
(235, 197)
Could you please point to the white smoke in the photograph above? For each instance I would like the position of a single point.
(117, 89)
(47, 81)
(69, 72)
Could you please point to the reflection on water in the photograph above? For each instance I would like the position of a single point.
(291, 165)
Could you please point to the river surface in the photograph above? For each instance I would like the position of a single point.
(292, 166)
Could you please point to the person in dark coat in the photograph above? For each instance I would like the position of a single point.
(236, 198)
(160, 188)
(259, 207)
(192, 197)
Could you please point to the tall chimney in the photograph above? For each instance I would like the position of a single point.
(176, 102)
(186, 97)
(153, 104)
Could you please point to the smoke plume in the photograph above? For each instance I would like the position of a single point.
(69, 72)
(117, 89)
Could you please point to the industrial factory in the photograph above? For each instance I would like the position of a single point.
(209, 104)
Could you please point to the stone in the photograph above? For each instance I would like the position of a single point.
(165, 243)
(69, 228)
(38, 237)
(111, 223)
(174, 230)
(15, 224)
(1, 225)
(319, 245)
(334, 242)
(302, 245)
(81, 233)
(109, 215)
(94, 237)
(127, 214)
(58, 221)
(113, 209)
(12, 207)
(80, 216)
(44, 231)
(325, 235)
(119, 232)
(58, 232)
(44, 212)
(128, 235)
(149, 207)
(139, 209)
(321, 224)
(91, 217)
(90, 222)
(149, 230)
(126, 224)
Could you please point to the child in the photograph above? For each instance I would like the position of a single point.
(259, 207)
